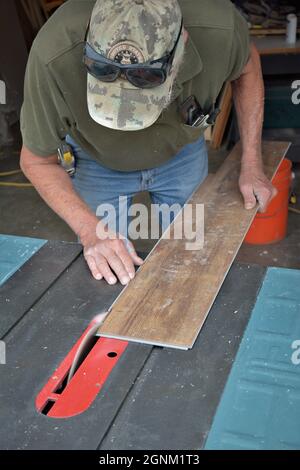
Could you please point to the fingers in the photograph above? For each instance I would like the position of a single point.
(113, 260)
(264, 198)
(93, 267)
(262, 193)
(249, 196)
(127, 254)
(103, 266)
(123, 272)
(133, 254)
(99, 267)
(126, 261)
(263, 201)
(255, 187)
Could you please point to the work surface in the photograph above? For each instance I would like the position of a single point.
(155, 398)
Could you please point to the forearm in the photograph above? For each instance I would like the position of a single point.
(55, 187)
(108, 258)
(248, 92)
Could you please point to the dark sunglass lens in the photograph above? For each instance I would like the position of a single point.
(145, 78)
(104, 72)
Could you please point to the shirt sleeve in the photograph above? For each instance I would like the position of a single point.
(240, 52)
(42, 126)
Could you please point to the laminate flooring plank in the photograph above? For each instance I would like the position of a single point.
(169, 300)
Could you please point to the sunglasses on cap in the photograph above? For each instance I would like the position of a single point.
(148, 75)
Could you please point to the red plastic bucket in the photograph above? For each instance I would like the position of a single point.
(271, 226)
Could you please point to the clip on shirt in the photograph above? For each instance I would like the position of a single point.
(194, 116)
(66, 159)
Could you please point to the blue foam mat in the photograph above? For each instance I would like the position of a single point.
(14, 252)
(260, 406)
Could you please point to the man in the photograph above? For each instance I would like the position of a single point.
(147, 64)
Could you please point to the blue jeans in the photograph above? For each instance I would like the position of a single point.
(171, 183)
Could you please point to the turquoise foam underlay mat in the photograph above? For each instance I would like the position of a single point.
(14, 252)
(260, 406)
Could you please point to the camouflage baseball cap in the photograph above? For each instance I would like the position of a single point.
(132, 31)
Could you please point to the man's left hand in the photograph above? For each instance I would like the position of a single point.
(255, 187)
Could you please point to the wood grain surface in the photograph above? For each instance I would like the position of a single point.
(168, 301)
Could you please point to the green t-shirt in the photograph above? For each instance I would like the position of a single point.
(55, 102)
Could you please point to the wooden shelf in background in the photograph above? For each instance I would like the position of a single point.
(268, 45)
(269, 31)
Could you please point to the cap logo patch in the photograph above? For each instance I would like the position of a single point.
(126, 53)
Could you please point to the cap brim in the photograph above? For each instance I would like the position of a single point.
(121, 106)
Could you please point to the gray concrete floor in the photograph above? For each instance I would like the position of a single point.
(23, 213)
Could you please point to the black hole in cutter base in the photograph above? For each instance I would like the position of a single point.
(112, 355)
(48, 407)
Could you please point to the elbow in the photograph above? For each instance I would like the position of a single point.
(29, 160)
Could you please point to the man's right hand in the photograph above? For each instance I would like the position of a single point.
(111, 258)
(108, 255)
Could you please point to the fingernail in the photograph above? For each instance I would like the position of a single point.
(132, 275)
(125, 280)
(112, 280)
(249, 206)
(98, 277)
